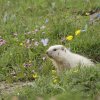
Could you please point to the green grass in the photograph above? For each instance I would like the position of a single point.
(60, 18)
(78, 83)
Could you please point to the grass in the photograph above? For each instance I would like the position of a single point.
(24, 23)
(71, 84)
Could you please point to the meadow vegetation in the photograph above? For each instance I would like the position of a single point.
(29, 27)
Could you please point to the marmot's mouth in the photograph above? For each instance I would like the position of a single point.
(50, 56)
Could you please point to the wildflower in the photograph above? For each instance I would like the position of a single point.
(13, 73)
(43, 58)
(28, 43)
(32, 39)
(43, 27)
(15, 34)
(2, 42)
(29, 64)
(29, 32)
(77, 32)
(35, 75)
(21, 44)
(45, 41)
(33, 71)
(87, 13)
(36, 30)
(36, 43)
(69, 38)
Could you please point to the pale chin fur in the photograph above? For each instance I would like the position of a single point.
(63, 59)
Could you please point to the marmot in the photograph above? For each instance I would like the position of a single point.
(62, 58)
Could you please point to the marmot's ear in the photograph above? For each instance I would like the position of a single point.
(62, 48)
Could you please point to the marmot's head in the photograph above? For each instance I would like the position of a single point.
(56, 52)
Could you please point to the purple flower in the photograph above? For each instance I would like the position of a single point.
(45, 41)
(27, 65)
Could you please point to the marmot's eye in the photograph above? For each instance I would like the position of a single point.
(54, 49)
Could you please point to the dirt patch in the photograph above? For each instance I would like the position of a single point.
(9, 88)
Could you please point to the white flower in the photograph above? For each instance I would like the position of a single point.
(28, 41)
(45, 41)
(36, 30)
(36, 43)
(43, 58)
(43, 27)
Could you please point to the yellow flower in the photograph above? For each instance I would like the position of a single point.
(35, 75)
(69, 38)
(21, 44)
(77, 32)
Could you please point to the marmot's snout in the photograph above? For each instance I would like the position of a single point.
(49, 54)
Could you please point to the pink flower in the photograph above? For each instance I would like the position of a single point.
(2, 42)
